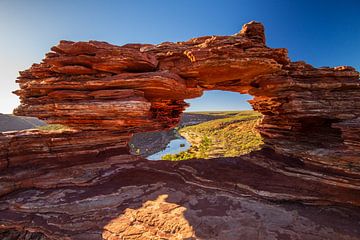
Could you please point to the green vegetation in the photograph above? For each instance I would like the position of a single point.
(226, 137)
(52, 127)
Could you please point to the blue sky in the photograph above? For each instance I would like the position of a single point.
(323, 32)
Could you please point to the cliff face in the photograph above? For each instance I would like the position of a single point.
(82, 183)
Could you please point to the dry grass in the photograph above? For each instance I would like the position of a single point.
(227, 137)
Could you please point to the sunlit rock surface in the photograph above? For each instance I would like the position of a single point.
(125, 197)
(81, 183)
(142, 87)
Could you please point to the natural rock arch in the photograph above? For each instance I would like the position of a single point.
(310, 113)
(81, 183)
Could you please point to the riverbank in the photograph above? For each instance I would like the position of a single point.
(175, 146)
(210, 134)
(149, 143)
(227, 137)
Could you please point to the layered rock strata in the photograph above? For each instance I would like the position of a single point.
(308, 112)
(81, 183)
(125, 197)
(29, 147)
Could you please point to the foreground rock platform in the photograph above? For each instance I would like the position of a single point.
(82, 183)
(126, 197)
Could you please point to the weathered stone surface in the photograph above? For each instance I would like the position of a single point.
(135, 88)
(125, 197)
(21, 152)
(82, 184)
(124, 101)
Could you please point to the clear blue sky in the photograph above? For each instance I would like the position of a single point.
(323, 33)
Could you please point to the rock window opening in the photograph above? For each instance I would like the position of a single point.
(218, 124)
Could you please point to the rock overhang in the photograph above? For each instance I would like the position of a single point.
(77, 183)
(134, 88)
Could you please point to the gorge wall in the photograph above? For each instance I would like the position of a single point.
(64, 184)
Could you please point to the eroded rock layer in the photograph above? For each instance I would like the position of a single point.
(81, 183)
(22, 152)
(125, 197)
(311, 113)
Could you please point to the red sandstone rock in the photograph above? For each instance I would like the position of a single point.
(296, 98)
(80, 184)
(124, 197)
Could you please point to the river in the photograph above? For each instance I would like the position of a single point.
(174, 147)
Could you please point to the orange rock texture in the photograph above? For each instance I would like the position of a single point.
(82, 183)
(311, 113)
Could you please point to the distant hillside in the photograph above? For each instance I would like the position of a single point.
(193, 118)
(231, 136)
(9, 122)
(148, 143)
